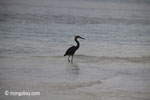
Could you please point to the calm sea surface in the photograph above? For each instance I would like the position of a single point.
(48, 27)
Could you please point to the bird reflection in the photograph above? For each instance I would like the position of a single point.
(73, 69)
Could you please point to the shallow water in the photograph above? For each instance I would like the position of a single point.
(95, 78)
(112, 63)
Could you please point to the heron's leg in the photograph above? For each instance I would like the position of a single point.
(68, 58)
(72, 59)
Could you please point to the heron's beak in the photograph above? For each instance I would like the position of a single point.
(82, 38)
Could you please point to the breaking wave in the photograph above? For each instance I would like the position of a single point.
(88, 58)
(143, 59)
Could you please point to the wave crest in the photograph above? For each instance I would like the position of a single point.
(143, 59)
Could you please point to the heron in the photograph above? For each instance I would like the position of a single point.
(71, 51)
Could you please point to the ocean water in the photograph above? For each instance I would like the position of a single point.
(112, 62)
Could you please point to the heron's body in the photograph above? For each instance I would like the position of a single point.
(71, 51)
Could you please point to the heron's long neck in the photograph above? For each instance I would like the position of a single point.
(78, 44)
